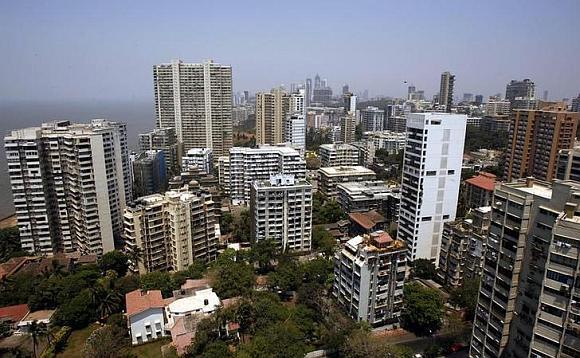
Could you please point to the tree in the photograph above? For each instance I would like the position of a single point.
(106, 301)
(323, 241)
(10, 244)
(329, 212)
(230, 277)
(196, 270)
(287, 277)
(226, 223)
(105, 342)
(263, 253)
(77, 313)
(216, 349)
(114, 260)
(423, 268)
(318, 270)
(423, 309)
(282, 339)
(242, 230)
(465, 296)
(158, 280)
(36, 330)
(361, 344)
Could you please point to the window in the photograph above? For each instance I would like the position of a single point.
(450, 172)
(426, 218)
(445, 217)
(431, 172)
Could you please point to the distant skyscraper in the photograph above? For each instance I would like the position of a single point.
(149, 172)
(478, 99)
(545, 96)
(345, 89)
(576, 104)
(525, 89)
(446, 90)
(308, 94)
(163, 139)
(347, 127)
(271, 110)
(535, 139)
(70, 184)
(195, 99)
(410, 91)
(317, 82)
(468, 97)
(431, 176)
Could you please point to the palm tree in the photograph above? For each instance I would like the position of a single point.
(36, 330)
(135, 255)
(105, 301)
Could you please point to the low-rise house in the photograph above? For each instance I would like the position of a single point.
(479, 190)
(145, 315)
(366, 222)
(41, 317)
(12, 315)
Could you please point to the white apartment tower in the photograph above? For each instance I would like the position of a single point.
(431, 177)
(196, 100)
(246, 165)
(295, 131)
(336, 155)
(202, 158)
(70, 183)
(281, 210)
(171, 230)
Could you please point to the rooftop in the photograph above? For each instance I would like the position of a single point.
(367, 220)
(485, 181)
(42, 315)
(14, 313)
(346, 170)
(337, 146)
(139, 301)
(205, 301)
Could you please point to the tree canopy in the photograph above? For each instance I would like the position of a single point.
(423, 268)
(423, 309)
(114, 260)
(465, 296)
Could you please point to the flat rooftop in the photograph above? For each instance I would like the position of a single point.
(346, 170)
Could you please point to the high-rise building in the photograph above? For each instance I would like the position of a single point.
(347, 128)
(295, 131)
(281, 210)
(70, 184)
(171, 230)
(246, 165)
(297, 103)
(367, 196)
(308, 93)
(576, 104)
(545, 96)
(345, 89)
(462, 248)
(163, 139)
(468, 97)
(535, 139)
(349, 101)
(568, 165)
(336, 155)
(431, 177)
(369, 274)
(525, 89)
(149, 173)
(372, 119)
(271, 110)
(525, 306)
(317, 82)
(498, 123)
(446, 90)
(478, 99)
(196, 100)
(392, 142)
(202, 158)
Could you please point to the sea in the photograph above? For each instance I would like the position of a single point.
(138, 114)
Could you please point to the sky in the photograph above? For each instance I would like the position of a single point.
(104, 50)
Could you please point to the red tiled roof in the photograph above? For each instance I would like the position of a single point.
(485, 181)
(11, 266)
(139, 301)
(383, 238)
(368, 219)
(14, 313)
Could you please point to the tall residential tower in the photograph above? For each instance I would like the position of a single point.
(195, 99)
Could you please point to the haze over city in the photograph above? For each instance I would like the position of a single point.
(71, 50)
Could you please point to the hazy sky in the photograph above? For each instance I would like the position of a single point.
(59, 50)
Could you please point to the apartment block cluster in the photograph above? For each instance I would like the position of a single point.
(77, 188)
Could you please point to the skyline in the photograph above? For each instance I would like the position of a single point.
(75, 51)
